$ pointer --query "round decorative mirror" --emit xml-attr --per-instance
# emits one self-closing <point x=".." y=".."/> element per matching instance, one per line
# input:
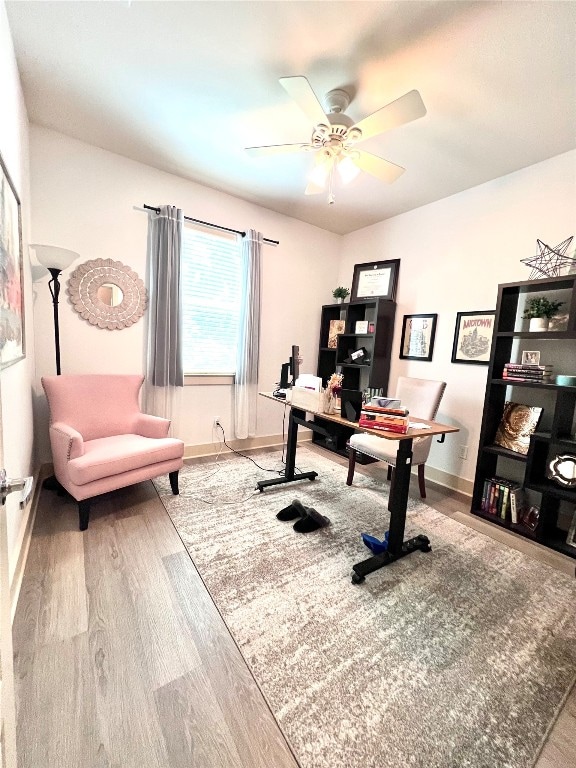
<point x="107" y="294"/>
<point x="562" y="469"/>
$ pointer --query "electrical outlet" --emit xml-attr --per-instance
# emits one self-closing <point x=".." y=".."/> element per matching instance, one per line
<point x="216" y="422"/>
<point x="463" y="454"/>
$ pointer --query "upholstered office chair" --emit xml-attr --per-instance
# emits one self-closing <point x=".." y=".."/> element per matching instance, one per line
<point x="100" y="439"/>
<point x="422" y="398"/>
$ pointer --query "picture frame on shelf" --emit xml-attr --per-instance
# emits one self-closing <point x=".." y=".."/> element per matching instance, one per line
<point x="375" y="280"/>
<point x="418" y="333"/>
<point x="361" y="326"/>
<point x="13" y="346"/>
<point x="530" y="357"/>
<point x="473" y="337"/>
<point x="335" y="329"/>
<point x="571" y="537"/>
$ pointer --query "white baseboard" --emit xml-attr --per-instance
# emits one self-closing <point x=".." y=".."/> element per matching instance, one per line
<point x="453" y="482"/>
<point x="26" y="536"/>
<point x="212" y="449"/>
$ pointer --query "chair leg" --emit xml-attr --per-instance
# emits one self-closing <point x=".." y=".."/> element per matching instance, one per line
<point x="421" y="480"/>
<point x="390" y="468"/>
<point x="174" y="482"/>
<point x="84" y="513"/>
<point x="351" y="465"/>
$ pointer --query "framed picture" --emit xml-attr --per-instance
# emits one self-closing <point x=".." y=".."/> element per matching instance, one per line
<point x="530" y="358"/>
<point x="418" y="333"/>
<point x="335" y="329"/>
<point x="473" y="337"/>
<point x="11" y="281"/>
<point x="571" y="538"/>
<point x="377" y="279"/>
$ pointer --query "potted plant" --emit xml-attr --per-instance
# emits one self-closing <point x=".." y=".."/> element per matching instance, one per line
<point x="340" y="294"/>
<point x="539" y="310"/>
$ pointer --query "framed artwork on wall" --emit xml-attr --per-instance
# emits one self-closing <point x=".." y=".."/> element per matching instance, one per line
<point x="375" y="280"/>
<point x="12" y="341"/>
<point x="418" y="332"/>
<point x="473" y="337"/>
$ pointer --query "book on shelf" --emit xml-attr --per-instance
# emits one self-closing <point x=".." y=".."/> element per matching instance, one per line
<point x="528" y="366"/>
<point x="500" y="497"/>
<point x="519" y="376"/>
<point x="517" y="370"/>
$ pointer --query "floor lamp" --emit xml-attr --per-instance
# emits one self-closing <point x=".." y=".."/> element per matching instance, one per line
<point x="55" y="260"/>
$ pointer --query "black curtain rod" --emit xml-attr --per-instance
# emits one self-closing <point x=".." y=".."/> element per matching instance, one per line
<point x="215" y="226"/>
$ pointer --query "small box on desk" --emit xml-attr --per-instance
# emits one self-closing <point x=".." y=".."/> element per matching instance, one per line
<point x="306" y="399"/>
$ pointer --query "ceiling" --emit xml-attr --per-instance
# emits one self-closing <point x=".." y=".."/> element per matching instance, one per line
<point x="186" y="86"/>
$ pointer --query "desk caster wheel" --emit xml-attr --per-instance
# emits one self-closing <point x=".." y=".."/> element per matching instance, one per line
<point x="356" y="579"/>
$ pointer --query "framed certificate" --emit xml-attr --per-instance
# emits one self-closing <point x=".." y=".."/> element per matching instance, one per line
<point x="377" y="279"/>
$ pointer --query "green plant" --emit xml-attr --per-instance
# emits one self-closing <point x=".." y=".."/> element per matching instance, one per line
<point x="540" y="306"/>
<point x="340" y="292"/>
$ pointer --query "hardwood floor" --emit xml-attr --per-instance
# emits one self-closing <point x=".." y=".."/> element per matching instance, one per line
<point x="123" y="661"/>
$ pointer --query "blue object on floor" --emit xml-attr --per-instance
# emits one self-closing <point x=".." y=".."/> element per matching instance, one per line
<point x="374" y="544"/>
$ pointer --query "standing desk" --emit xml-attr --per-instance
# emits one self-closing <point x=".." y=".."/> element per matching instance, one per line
<point x="398" y="500"/>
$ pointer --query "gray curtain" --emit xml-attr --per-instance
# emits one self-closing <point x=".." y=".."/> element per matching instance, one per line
<point x="164" y="374"/>
<point x="246" y="381"/>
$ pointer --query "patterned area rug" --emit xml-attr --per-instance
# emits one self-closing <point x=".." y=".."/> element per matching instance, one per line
<point x="460" y="657"/>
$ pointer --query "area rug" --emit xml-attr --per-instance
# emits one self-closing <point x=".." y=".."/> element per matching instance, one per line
<point x="460" y="657"/>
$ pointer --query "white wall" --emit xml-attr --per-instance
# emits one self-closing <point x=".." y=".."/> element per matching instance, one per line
<point x="84" y="199"/>
<point x="16" y="380"/>
<point x="454" y="253"/>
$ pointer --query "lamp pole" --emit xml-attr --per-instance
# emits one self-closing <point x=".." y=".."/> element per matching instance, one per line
<point x="55" y="259"/>
<point x="54" y="286"/>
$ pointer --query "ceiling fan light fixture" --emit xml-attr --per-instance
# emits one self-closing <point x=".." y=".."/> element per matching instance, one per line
<point x="347" y="169"/>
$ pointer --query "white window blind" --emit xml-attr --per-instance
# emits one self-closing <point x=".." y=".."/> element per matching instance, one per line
<point x="211" y="300"/>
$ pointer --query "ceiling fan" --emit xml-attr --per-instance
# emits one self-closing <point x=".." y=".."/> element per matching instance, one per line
<point x="335" y="135"/>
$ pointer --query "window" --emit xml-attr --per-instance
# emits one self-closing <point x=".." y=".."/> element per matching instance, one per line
<point x="210" y="300"/>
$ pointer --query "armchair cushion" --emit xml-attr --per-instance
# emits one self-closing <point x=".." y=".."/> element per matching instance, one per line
<point x="108" y="456"/>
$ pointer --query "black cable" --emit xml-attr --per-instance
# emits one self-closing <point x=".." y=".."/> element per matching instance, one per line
<point x="264" y="469"/>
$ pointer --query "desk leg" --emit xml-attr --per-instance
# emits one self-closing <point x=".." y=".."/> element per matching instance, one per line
<point x="289" y="473"/>
<point x="398" y="503"/>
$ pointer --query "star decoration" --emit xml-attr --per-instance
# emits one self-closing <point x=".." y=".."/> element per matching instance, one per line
<point x="550" y="261"/>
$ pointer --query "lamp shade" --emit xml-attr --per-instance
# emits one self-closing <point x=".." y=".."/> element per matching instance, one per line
<point x="53" y="257"/>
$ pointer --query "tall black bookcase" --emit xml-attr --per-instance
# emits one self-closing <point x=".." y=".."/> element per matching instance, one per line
<point x="370" y="369"/>
<point x="555" y="434"/>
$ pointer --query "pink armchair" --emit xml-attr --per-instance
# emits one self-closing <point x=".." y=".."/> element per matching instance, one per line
<point x="100" y="439"/>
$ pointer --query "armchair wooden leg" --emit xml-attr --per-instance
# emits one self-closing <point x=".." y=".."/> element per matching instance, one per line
<point x="421" y="480"/>
<point x="174" y="482"/>
<point x="84" y="513"/>
<point x="351" y="465"/>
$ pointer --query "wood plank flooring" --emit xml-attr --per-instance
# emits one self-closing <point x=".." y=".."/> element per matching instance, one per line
<point x="123" y="661"/>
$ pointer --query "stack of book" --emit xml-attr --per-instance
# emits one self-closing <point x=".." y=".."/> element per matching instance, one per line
<point x="385" y="419"/>
<point x="535" y="373"/>
<point x="502" y="498"/>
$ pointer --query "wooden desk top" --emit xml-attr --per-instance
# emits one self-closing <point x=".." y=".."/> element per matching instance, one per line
<point x="434" y="427"/>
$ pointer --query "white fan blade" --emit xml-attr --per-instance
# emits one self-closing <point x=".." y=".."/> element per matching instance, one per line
<point x="377" y="166"/>
<point x="405" y="109"/>
<point x="275" y="149"/>
<point x="301" y="91"/>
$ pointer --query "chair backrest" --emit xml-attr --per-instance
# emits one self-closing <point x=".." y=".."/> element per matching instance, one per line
<point x="96" y="405"/>
<point x="421" y="396"/>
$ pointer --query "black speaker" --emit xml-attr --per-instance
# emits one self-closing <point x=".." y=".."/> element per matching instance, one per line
<point x="350" y="404"/>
